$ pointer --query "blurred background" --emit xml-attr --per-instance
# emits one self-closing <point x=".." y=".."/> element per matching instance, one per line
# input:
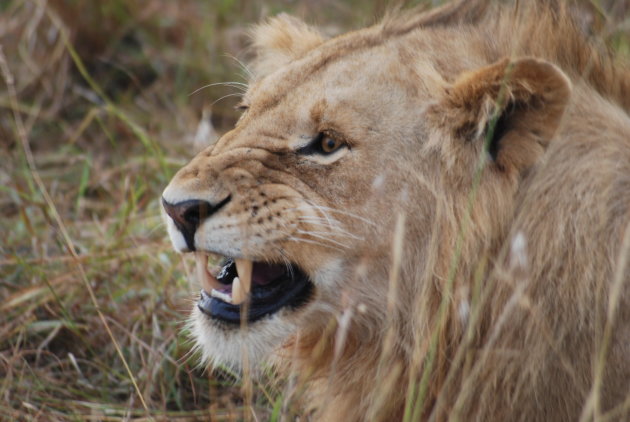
<point x="100" y="103"/>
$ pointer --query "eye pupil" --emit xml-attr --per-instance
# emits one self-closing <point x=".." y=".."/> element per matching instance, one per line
<point x="329" y="144"/>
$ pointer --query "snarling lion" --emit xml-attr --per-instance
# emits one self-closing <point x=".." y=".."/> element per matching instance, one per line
<point x="426" y="219"/>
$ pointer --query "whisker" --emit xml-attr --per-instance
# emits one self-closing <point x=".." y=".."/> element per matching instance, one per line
<point x="323" y="212"/>
<point x="287" y="263"/>
<point x="324" y="238"/>
<point x="186" y="356"/>
<point x="334" y="231"/>
<point x="322" y="225"/>
<point x="243" y="66"/>
<point x="320" y="220"/>
<point x="238" y="85"/>
<point x="226" y="96"/>
<point x="310" y="207"/>
<point x="325" y="221"/>
<point x="349" y="214"/>
<point x="313" y="242"/>
<point x="323" y="208"/>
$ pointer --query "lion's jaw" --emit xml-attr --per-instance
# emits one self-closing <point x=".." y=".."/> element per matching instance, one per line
<point x="256" y="342"/>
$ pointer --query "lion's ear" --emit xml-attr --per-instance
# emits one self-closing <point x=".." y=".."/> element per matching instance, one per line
<point x="280" y="40"/>
<point x="510" y="108"/>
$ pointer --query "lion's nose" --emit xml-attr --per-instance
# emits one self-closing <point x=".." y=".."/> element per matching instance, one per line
<point x="188" y="215"/>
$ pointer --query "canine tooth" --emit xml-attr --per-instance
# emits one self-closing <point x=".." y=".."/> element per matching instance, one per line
<point x="244" y="269"/>
<point x="239" y="294"/>
<point x="208" y="281"/>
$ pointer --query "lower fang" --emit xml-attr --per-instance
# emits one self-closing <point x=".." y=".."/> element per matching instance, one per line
<point x="220" y="295"/>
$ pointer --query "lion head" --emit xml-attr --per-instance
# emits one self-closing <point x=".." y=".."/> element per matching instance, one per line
<point x="372" y="183"/>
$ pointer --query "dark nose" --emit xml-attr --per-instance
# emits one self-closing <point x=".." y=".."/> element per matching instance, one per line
<point x="188" y="215"/>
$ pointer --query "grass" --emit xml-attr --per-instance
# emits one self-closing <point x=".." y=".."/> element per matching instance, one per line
<point x="96" y="114"/>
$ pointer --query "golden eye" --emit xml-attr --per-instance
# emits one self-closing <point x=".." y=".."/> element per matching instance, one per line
<point x="322" y="144"/>
<point x="329" y="144"/>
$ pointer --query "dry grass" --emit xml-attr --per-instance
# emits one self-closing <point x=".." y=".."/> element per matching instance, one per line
<point x="95" y="116"/>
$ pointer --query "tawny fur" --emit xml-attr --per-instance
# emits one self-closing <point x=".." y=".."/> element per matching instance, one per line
<point x="513" y="285"/>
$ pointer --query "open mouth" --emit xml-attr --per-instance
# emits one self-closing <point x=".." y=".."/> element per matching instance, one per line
<point x="266" y="288"/>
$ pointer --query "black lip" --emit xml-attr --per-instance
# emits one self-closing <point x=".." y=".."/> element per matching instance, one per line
<point x="292" y="290"/>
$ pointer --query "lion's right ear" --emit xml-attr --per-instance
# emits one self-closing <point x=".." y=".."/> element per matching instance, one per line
<point x="280" y="40"/>
<point x="509" y="109"/>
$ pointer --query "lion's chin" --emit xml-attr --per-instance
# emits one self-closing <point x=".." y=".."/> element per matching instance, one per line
<point x="222" y="346"/>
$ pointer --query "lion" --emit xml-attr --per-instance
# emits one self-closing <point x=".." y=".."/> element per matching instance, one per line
<point x="425" y="219"/>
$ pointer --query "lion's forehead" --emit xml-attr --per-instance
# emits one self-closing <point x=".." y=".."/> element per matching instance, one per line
<point x="358" y="80"/>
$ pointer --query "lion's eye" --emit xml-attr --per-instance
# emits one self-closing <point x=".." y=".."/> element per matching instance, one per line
<point x="322" y="144"/>
<point x="330" y="145"/>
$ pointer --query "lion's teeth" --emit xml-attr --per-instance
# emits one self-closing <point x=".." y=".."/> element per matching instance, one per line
<point x="239" y="294"/>
<point x="220" y="295"/>
<point x="241" y="285"/>
<point x="208" y="281"/>
<point x="244" y="269"/>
